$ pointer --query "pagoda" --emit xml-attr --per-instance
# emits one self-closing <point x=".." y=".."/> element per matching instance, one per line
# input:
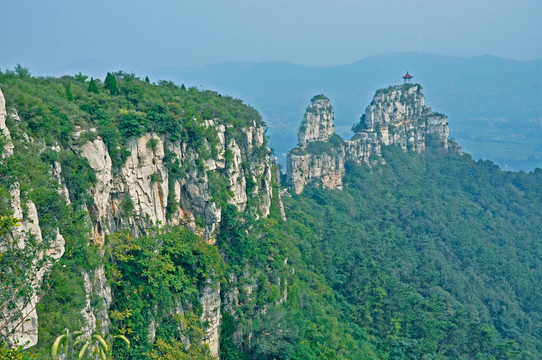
<point x="407" y="78"/>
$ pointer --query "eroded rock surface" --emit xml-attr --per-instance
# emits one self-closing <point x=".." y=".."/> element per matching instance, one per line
<point x="396" y="116"/>
<point x="317" y="124"/>
<point x="320" y="153"/>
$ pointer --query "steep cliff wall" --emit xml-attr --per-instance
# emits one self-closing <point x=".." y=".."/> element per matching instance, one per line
<point x="320" y="153"/>
<point x="396" y="116"/>
<point x="20" y="323"/>
<point x="161" y="180"/>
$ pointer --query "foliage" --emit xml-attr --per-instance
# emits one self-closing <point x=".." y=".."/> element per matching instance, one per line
<point x="319" y="97"/>
<point x="419" y="252"/>
<point x="330" y="146"/>
<point x="15" y="352"/>
<point x="110" y="83"/>
<point x="92" y="87"/>
<point x="94" y="344"/>
<point x="150" y="274"/>
<point x="176" y="350"/>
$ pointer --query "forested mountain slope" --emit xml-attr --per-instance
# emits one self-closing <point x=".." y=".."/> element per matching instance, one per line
<point x="155" y="212"/>
<point x="433" y="254"/>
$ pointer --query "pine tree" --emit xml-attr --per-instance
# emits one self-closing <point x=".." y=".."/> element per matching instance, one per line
<point x="183" y="87"/>
<point x="107" y="81"/>
<point x="69" y="94"/>
<point x="110" y="83"/>
<point x="81" y="77"/>
<point x="92" y="87"/>
<point x="147" y="79"/>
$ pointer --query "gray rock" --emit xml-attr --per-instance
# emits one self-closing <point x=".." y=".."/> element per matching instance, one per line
<point x="396" y="116"/>
<point x="317" y="124"/>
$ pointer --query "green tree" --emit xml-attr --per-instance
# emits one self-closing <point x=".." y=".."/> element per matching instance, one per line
<point x="92" y="87"/>
<point x="110" y="83"/>
<point x="80" y="77"/>
<point x="147" y="79"/>
<point x="22" y="71"/>
<point x="69" y="94"/>
<point x="96" y="344"/>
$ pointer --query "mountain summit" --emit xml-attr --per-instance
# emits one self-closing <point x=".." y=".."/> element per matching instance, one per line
<point x="396" y="116"/>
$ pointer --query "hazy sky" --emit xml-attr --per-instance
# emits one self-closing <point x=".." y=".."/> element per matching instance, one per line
<point x="48" y="34"/>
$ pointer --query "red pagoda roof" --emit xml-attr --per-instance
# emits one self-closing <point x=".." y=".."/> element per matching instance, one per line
<point x="408" y="76"/>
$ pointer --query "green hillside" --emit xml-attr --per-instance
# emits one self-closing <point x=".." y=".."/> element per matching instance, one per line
<point x="434" y="256"/>
<point x="421" y="256"/>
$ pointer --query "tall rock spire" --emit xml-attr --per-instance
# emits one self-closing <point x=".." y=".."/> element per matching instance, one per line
<point x="317" y="124"/>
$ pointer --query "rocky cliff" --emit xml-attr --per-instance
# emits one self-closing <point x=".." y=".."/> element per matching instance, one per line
<point x="320" y="153"/>
<point x="20" y="323"/>
<point x="399" y="116"/>
<point x="396" y="116"/>
<point x="161" y="181"/>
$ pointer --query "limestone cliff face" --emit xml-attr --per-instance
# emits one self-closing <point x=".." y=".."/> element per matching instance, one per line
<point x="143" y="193"/>
<point x="304" y="168"/>
<point x="317" y="124"/>
<point x="21" y="323"/>
<point x="396" y="116"/>
<point x="362" y="146"/>
<point x="320" y="154"/>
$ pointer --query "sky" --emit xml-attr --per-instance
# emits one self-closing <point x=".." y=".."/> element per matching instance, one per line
<point x="49" y="34"/>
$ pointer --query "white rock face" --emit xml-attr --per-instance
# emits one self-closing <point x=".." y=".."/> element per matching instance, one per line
<point x="303" y="164"/>
<point x="397" y="115"/>
<point x="210" y="300"/>
<point x="317" y="124"/>
<point x="96" y="319"/>
<point x="395" y="105"/>
<point x="362" y="146"/>
<point x="145" y="179"/>
<point x="8" y="146"/>
<point x="400" y="116"/>
<point x="25" y="319"/>
<point x="327" y="168"/>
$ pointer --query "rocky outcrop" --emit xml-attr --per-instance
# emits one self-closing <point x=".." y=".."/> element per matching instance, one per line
<point x="320" y="153"/>
<point x="210" y="300"/>
<point x="362" y="147"/>
<point x="305" y="168"/>
<point x="161" y="182"/>
<point x="317" y="124"/>
<point x="7" y="145"/>
<point x="143" y="194"/>
<point x="95" y="315"/>
<point x="396" y="116"/>
<point x="21" y="323"/>
<point x="138" y="196"/>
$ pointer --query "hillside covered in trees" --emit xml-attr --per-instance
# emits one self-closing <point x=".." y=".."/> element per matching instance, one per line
<point x="426" y="255"/>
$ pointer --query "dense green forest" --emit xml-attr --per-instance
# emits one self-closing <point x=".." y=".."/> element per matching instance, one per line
<point x="432" y="255"/>
<point x="421" y="256"/>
